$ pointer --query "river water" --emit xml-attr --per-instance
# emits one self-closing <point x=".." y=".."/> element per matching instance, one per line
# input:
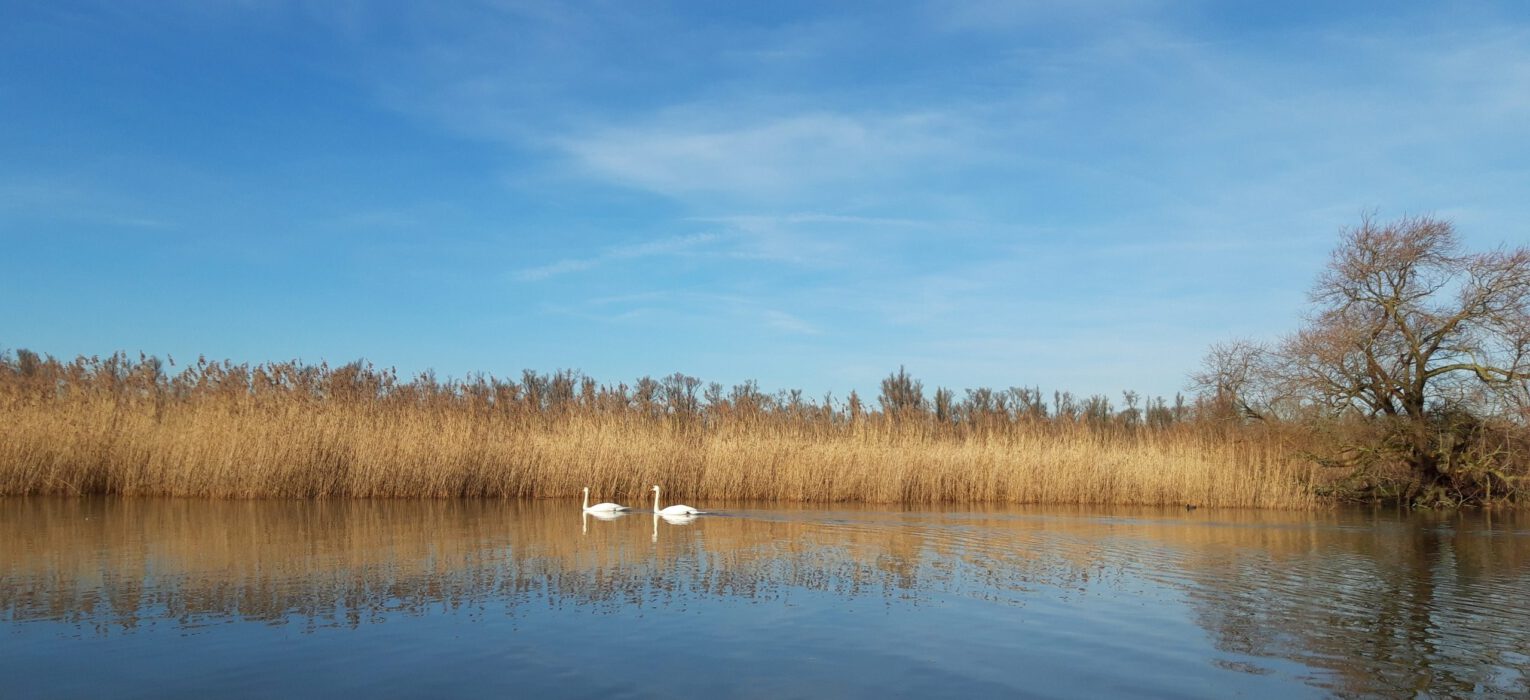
<point x="182" y="598"/>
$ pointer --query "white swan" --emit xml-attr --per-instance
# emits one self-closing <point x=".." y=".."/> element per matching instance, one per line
<point x="672" y="510"/>
<point x="600" y="507"/>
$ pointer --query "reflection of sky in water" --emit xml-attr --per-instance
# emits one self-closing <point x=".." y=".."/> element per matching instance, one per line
<point x="152" y="597"/>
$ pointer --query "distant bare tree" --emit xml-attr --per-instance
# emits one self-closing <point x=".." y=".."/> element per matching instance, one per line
<point x="747" y="399"/>
<point x="902" y="395"/>
<point x="679" y="393"/>
<point x="1097" y="409"/>
<point x="945" y="401"/>
<point x="1236" y="377"/>
<point x="1130" y="416"/>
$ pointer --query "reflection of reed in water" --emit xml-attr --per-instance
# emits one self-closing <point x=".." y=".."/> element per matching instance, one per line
<point x="105" y="564"/>
<point x="1382" y="607"/>
<point x="108" y="563"/>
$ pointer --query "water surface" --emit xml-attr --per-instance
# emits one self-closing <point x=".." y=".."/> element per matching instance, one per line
<point x="164" y="598"/>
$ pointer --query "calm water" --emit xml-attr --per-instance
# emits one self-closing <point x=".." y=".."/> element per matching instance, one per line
<point x="183" y="598"/>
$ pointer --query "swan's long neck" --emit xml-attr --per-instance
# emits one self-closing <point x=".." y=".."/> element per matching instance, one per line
<point x="586" y="498"/>
<point x="656" y="500"/>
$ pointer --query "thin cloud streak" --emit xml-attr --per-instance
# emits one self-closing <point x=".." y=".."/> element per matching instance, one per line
<point x="787" y="323"/>
<point x="675" y="245"/>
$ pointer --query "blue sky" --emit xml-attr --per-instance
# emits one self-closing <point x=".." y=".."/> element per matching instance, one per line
<point x="1074" y="195"/>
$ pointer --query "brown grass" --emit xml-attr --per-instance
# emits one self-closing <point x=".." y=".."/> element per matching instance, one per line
<point x="222" y="431"/>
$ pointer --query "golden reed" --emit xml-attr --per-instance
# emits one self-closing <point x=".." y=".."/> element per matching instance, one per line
<point x="117" y="426"/>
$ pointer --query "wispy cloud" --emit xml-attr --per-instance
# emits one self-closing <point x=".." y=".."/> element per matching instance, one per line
<point x="373" y="219"/>
<point x="682" y="155"/>
<point x="1006" y="192"/>
<point x="785" y="322"/>
<point x="674" y="245"/>
<point x="990" y="16"/>
<point x="68" y="202"/>
<point x="763" y="220"/>
<point x="757" y="311"/>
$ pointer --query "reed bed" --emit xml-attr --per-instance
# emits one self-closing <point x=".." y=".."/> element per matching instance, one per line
<point x="214" y="430"/>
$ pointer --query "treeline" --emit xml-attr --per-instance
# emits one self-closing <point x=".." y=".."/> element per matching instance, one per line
<point x="679" y="398"/>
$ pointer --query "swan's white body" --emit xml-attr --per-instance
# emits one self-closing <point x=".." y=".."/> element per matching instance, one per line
<point x="672" y="511"/>
<point x="600" y="507"/>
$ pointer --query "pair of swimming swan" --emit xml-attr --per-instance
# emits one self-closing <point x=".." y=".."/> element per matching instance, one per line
<point x="616" y="508"/>
<point x="584" y="520"/>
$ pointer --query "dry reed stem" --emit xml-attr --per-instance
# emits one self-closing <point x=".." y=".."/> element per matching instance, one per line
<point x="230" y="447"/>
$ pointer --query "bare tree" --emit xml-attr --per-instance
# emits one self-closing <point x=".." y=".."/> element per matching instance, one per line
<point x="1402" y="317"/>
<point x="1235" y="376"/>
<point x="1406" y="328"/>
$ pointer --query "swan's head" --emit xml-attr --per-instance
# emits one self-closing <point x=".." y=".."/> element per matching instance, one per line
<point x="586" y="489"/>
<point x="655" y="488"/>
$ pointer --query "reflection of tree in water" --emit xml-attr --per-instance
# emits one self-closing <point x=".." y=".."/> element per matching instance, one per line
<point x="1433" y="605"/>
<point x="1381" y="607"/>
